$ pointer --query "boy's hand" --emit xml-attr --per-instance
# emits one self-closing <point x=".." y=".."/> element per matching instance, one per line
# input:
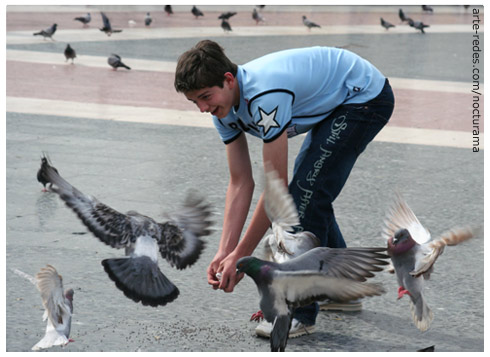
<point x="229" y="278"/>
<point x="213" y="270"/>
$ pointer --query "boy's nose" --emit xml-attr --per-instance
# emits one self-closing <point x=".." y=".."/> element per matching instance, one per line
<point x="203" y="107"/>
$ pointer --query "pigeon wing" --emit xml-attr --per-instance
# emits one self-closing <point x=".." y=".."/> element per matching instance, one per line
<point x="105" y="19"/>
<point x="49" y="283"/>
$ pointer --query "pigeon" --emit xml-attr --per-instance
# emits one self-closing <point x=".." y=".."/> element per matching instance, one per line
<point x="427" y="8"/>
<point x="70" y="53"/>
<point x="257" y="17"/>
<point x="168" y="10"/>
<point x="58" y="307"/>
<point x="49" y="32"/>
<point x="320" y="273"/>
<point x="413" y="254"/>
<point x="225" y="25"/>
<point x="309" y="23"/>
<point x="386" y="24"/>
<point x="41" y="177"/>
<point x="419" y="25"/>
<point x="148" y="19"/>
<point x="196" y="12"/>
<point x="402" y="16"/>
<point x="178" y="240"/>
<point x="226" y="15"/>
<point x="84" y="19"/>
<point x="107" y="28"/>
<point x="115" y="62"/>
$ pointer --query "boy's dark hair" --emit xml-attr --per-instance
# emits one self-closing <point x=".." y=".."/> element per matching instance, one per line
<point x="202" y="66"/>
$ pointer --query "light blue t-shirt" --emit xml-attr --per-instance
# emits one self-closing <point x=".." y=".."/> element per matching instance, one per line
<point x="295" y="89"/>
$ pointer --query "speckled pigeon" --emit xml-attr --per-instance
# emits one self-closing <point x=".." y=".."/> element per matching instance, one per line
<point x="107" y="28"/>
<point x="177" y="240"/>
<point x="58" y="305"/>
<point x="413" y="254"/>
<point x="320" y="273"/>
<point x="49" y="32"/>
<point x="115" y="62"/>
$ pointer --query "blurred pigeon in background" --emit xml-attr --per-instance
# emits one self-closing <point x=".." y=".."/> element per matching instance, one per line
<point x="318" y="274"/>
<point x="148" y="19"/>
<point x="196" y="12"/>
<point x="49" y="32"/>
<point x="427" y="8"/>
<point x="226" y="15"/>
<point x="58" y="305"/>
<point x="107" y="28"/>
<point x="309" y="23"/>
<point x="402" y="16"/>
<point x="115" y="62"/>
<point x="177" y="240"/>
<point x="419" y="25"/>
<point x="386" y="24"/>
<point x="41" y="176"/>
<point x="413" y="254"/>
<point x="168" y="10"/>
<point x="84" y="19"/>
<point x="70" y="53"/>
<point x="225" y="25"/>
<point x="257" y="17"/>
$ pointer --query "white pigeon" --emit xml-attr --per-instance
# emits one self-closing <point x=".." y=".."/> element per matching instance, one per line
<point x="58" y="307"/>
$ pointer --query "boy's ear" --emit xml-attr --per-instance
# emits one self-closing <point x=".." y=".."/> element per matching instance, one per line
<point x="229" y="78"/>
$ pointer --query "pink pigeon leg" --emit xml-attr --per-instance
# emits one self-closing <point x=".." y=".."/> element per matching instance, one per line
<point x="402" y="291"/>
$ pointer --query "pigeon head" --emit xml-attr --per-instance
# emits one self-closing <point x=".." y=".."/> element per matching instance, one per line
<point x="401" y="242"/>
<point x="250" y="265"/>
<point x="69" y="294"/>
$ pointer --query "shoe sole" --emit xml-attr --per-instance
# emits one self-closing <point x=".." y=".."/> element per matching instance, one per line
<point x="307" y="330"/>
<point x="341" y="307"/>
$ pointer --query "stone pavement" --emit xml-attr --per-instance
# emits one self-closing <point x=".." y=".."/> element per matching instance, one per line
<point x="126" y="138"/>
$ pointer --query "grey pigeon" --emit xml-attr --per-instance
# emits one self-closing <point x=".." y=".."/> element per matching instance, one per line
<point x="413" y="254"/>
<point x="148" y="19"/>
<point x="309" y="23"/>
<point x="49" y="32"/>
<point x="402" y="15"/>
<point x="427" y="8"/>
<point x="58" y="305"/>
<point x="196" y="12"/>
<point x="115" y="62"/>
<point x="178" y="240"/>
<point x="226" y="15"/>
<point x="70" y="53"/>
<point x="107" y="28"/>
<point x="386" y="24"/>
<point x="41" y="176"/>
<point x="84" y="19"/>
<point x="225" y="25"/>
<point x="257" y="17"/>
<point x="321" y="273"/>
<point x="419" y="25"/>
<point x="168" y="10"/>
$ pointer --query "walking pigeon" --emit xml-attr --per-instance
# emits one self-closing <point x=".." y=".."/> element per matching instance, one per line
<point x="225" y="25"/>
<point x="257" y="17"/>
<point x="70" y="53"/>
<point x="321" y="273"/>
<point x="168" y="10"/>
<point x="84" y="19"/>
<point x="58" y="307"/>
<point x="309" y="23"/>
<point x="419" y="25"/>
<point x="413" y="254"/>
<point x="226" y="15"/>
<point x="148" y="19"/>
<point x="196" y="12"/>
<point x="41" y="176"/>
<point x="386" y="24"/>
<point x="115" y="62"/>
<point x="427" y="8"/>
<point x="107" y="28"/>
<point x="49" y="32"/>
<point x="178" y="240"/>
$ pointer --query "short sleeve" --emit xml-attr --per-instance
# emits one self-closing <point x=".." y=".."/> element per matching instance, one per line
<point x="226" y="133"/>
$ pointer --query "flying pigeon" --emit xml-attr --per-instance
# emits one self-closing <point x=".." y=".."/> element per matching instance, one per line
<point x="419" y="25"/>
<point x="225" y="25"/>
<point x="386" y="24"/>
<point x="84" y="19"/>
<point x="309" y="23"/>
<point x="427" y="8"/>
<point x="196" y="12"/>
<point x="58" y="307"/>
<point x="49" y="32"/>
<point x="41" y="176"/>
<point x="107" y="28"/>
<point x="148" y="19"/>
<point x="168" y="10"/>
<point x="226" y="15"/>
<point x="115" y="62"/>
<point x="178" y="240"/>
<point x="257" y="17"/>
<point x="413" y="254"/>
<point x="70" y="53"/>
<point x="334" y="273"/>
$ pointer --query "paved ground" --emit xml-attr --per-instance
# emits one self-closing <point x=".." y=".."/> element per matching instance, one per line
<point x="128" y="139"/>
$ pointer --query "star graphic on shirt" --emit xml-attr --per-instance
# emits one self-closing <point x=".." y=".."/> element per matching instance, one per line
<point x="268" y="120"/>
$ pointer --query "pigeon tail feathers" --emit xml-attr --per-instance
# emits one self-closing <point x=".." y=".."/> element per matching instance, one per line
<point x="421" y="313"/>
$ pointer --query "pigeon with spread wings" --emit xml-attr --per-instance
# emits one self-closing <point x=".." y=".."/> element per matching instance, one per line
<point x="177" y="240"/>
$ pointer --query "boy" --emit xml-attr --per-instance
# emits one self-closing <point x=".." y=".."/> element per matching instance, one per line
<point x="339" y="99"/>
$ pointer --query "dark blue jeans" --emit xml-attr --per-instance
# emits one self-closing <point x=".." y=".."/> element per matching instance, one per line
<point x="324" y="163"/>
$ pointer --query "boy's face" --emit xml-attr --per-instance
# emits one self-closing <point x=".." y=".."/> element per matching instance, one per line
<point x="215" y="100"/>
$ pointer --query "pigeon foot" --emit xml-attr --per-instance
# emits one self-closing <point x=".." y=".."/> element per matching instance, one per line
<point x="402" y="291"/>
<point x="259" y="315"/>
